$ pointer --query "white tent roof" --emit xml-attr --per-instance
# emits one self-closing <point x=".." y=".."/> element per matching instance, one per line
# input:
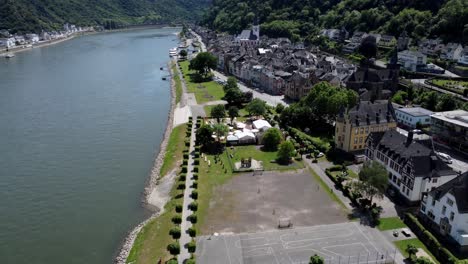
<point x="242" y="135"/>
<point x="232" y="138"/>
<point x="259" y="124"/>
<point x="240" y="125"/>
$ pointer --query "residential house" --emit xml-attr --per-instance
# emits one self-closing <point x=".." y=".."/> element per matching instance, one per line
<point x="7" y="42"/>
<point x="351" y="47"/>
<point x="412" y="60"/>
<point x="357" y="37"/>
<point x="338" y="35"/>
<point x="403" y="41"/>
<point x="249" y="37"/>
<point x="451" y="51"/>
<point x="445" y="209"/>
<point x="377" y="38"/>
<point x="412" y="117"/>
<point x="431" y="47"/>
<point x="353" y="126"/>
<point x="464" y="57"/>
<point x="387" y="41"/>
<point x="413" y="169"/>
<point x="451" y="128"/>
<point x="299" y="85"/>
<point x="32" y="38"/>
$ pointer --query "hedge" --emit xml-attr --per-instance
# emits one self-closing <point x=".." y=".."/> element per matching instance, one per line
<point x="195" y="169"/>
<point x="182" y="177"/>
<point x="434" y="246"/>
<point x="195" y="185"/>
<point x="195" y="176"/>
<point x="185" y="162"/>
<point x="196" y="162"/>
<point x="186" y="156"/>
<point x="184" y="169"/>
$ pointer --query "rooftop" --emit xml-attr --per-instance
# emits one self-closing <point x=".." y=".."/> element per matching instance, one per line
<point x="415" y="111"/>
<point x="458" y="187"/>
<point x="457" y="117"/>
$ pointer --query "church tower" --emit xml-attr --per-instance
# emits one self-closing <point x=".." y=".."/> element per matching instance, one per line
<point x="256" y="29"/>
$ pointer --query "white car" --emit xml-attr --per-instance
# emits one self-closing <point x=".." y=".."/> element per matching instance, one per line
<point x="444" y="157"/>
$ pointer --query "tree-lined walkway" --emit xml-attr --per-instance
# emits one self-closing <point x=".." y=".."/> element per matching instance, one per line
<point x="186" y="212"/>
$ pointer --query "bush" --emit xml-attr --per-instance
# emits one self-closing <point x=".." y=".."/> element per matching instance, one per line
<point x="184" y="169"/>
<point x="195" y="184"/>
<point x="181" y="186"/>
<point x="195" y="176"/>
<point x="195" y="169"/>
<point x="192" y="218"/>
<point x="193" y="206"/>
<point x="190" y="261"/>
<point x="271" y="139"/>
<point x="194" y="195"/>
<point x="185" y="162"/>
<point x="191" y="247"/>
<point x="173" y="248"/>
<point x="178" y="208"/>
<point x="192" y="232"/>
<point x="197" y="155"/>
<point x="175" y="233"/>
<point x="177" y="219"/>
<point x="186" y="156"/>
<point x="172" y="261"/>
<point x="183" y="177"/>
<point x="179" y="195"/>
<point x="196" y="162"/>
<point x="187" y="143"/>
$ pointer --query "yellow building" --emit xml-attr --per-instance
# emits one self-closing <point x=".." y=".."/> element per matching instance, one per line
<point x="354" y="125"/>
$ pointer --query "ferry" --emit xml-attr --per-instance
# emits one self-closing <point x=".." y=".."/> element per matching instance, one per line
<point x="173" y="52"/>
<point x="9" y="55"/>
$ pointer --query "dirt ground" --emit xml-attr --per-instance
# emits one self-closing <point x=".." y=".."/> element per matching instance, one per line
<point x="254" y="203"/>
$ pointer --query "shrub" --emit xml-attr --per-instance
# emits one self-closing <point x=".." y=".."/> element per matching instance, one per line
<point x="181" y="186"/>
<point x="172" y="261"/>
<point x="197" y="155"/>
<point x="195" y="184"/>
<point x="194" y="194"/>
<point x="179" y="195"/>
<point x="173" y="248"/>
<point x="184" y="169"/>
<point x="176" y="219"/>
<point x="191" y="247"/>
<point x="190" y="261"/>
<point x="192" y="218"/>
<point x="186" y="156"/>
<point x="185" y="162"/>
<point x="195" y="169"/>
<point x="196" y="162"/>
<point x="175" y="233"/>
<point x="193" y="206"/>
<point x="178" y="208"/>
<point x="183" y="177"/>
<point x="195" y="176"/>
<point x="187" y="142"/>
<point x="272" y="139"/>
<point x="192" y="232"/>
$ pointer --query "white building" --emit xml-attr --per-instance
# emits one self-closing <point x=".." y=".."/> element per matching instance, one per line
<point x="32" y="38"/>
<point x="464" y="57"/>
<point x="413" y="169"/>
<point x="7" y="42"/>
<point x="451" y="51"/>
<point x="411" y="116"/>
<point x="411" y="60"/>
<point x="446" y="210"/>
<point x="261" y="125"/>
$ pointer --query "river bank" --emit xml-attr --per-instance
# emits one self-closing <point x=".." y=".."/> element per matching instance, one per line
<point x="153" y="182"/>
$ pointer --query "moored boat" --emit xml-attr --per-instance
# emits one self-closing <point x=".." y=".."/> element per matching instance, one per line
<point x="9" y="55"/>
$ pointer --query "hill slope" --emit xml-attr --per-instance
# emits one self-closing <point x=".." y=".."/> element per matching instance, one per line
<point x="301" y="18"/>
<point x="34" y="15"/>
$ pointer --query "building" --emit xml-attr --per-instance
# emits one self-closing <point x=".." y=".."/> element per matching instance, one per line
<point x="451" y="128"/>
<point x="387" y="41"/>
<point x="403" y="41"/>
<point x="413" y="168"/>
<point x="412" y="60"/>
<point x="412" y="116"/>
<point x="431" y="47"/>
<point x="445" y="209"/>
<point x="353" y="127"/>
<point x="7" y="42"/>
<point x="451" y="51"/>
<point x="249" y="37"/>
<point x="464" y="57"/>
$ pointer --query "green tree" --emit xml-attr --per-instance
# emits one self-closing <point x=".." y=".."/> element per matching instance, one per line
<point x="203" y="63"/>
<point x="204" y="135"/>
<point x="446" y="102"/>
<point x="233" y="112"/>
<point x="424" y="260"/>
<point x="234" y="96"/>
<point x="373" y="180"/>
<point x="271" y="139"/>
<point x="256" y="107"/>
<point x="285" y="152"/>
<point x="279" y="108"/>
<point x="183" y="53"/>
<point x="411" y="250"/>
<point x="231" y="83"/>
<point x="191" y="247"/>
<point x="220" y="130"/>
<point x="218" y="112"/>
<point x="400" y="97"/>
<point x="175" y="233"/>
<point x="316" y="259"/>
<point x="174" y="249"/>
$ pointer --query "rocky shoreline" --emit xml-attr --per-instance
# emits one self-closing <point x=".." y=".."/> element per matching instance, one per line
<point x="152" y="180"/>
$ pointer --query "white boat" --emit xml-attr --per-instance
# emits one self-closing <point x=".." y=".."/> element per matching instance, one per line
<point x="9" y="55"/>
<point x="173" y="52"/>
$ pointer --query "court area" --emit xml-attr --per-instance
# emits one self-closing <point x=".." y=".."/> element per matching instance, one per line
<point x="337" y="243"/>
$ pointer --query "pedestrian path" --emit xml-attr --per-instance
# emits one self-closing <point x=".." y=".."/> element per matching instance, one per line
<point x="185" y="225"/>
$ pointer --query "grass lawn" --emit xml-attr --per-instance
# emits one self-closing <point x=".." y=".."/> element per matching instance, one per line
<point x="390" y="223"/>
<point x="402" y="244"/>
<point x="264" y="156"/>
<point x="178" y="82"/>
<point x="324" y="186"/>
<point x="456" y="86"/>
<point x="150" y="244"/>
<point x="209" y="178"/>
<point x="351" y="174"/>
<point x="204" y="91"/>
<point x="174" y="149"/>
<point x="243" y="114"/>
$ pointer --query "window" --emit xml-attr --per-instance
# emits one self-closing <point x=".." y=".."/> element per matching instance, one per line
<point x="356" y="131"/>
<point x="423" y="208"/>
<point x="404" y="189"/>
<point x="367" y="130"/>
<point x="339" y="138"/>
<point x="354" y="147"/>
<point x="407" y="192"/>
<point x="449" y="201"/>
<point x="434" y="180"/>
<point x="444" y="209"/>
<point x="360" y="140"/>
<point x="355" y="140"/>
<point x="337" y="129"/>
<point x="452" y="216"/>
<point x="433" y="202"/>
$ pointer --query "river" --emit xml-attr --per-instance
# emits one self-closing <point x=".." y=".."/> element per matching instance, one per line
<point x="80" y="123"/>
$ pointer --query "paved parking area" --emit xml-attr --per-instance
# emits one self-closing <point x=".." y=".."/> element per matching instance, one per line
<point x="338" y="243"/>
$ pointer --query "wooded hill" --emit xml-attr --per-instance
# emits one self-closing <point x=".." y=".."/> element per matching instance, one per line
<point x="35" y="15"/>
<point x="302" y="19"/>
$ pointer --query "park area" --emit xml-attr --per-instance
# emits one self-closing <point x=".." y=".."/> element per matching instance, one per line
<point x="451" y="85"/>
<point x="204" y="91"/>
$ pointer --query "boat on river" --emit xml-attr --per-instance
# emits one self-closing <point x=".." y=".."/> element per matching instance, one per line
<point x="9" y="55"/>
<point x="173" y="52"/>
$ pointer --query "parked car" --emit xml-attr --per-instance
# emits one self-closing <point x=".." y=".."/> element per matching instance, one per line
<point x="406" y="232"/>
<point x="395" y="233"/>
<point x="320" y="155"/>
<point x="444" y="157"/>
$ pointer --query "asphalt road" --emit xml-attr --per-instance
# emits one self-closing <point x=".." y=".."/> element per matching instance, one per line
<point x="339" y="243"/>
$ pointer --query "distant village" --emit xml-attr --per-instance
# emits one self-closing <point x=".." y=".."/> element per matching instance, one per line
<point x="12" y="41"/>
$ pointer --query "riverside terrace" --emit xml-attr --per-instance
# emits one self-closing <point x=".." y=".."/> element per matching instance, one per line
<point x="339" y="243"/>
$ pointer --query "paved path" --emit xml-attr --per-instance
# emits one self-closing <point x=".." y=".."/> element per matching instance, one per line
<point x="185" y="238"/>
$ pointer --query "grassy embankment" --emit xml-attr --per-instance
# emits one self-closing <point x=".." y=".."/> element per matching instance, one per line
<point x="204" y="91"/>
<point x="178" y="82"/>
<point x="150" y="244"/>
<point x="390" y="223"/>
<point x="402" y="244"/>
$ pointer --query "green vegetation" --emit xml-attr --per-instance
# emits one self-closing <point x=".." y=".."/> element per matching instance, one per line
<point x="316" y="259"/>
<point x="390" y="223"/>
<point x="403" y="244"/>
<point x="451" y="85"/>
<point x="271" y="139"/>
<point x="299" y="19"/>
<point x="204" y="91"/>
<point x="268" y="158"/>
<point x="174" y="149"/>
<point x="285" y="152"/>
<point x="178" y="83"/>
<point x="203" y="63"/>
<point x="34" y="16"/>
<point x="431" y="100"/>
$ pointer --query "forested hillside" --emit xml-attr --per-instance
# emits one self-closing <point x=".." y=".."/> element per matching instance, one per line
<point x="35" y="15"/>
<point x="304" y="18"/>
